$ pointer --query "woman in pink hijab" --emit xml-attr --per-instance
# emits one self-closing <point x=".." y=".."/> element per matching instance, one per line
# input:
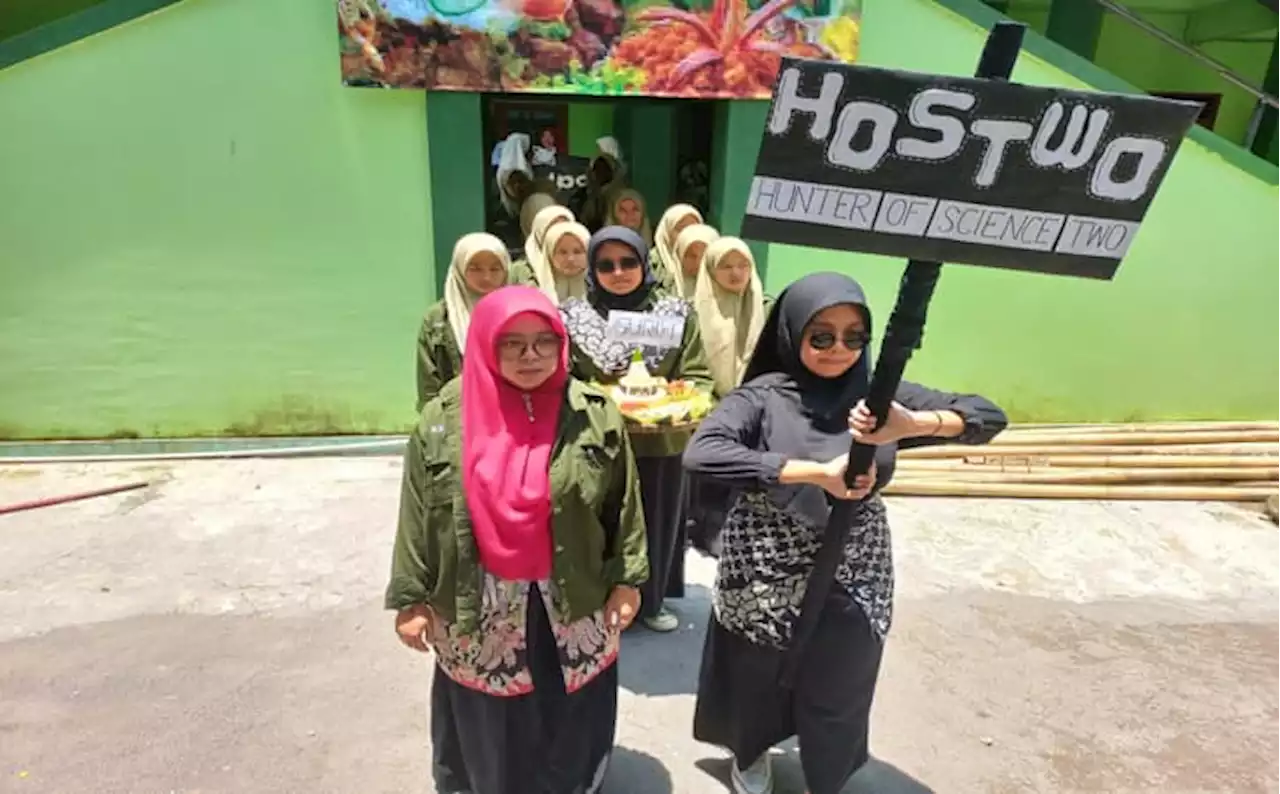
<point x="519" y="551"/>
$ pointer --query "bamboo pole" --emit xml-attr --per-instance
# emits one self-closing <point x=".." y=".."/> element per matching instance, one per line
<point x="1096" y="492"/>
<point x="1145" y="438"/>
<point x="1059" y="448"/>
<point x="1098" y="476"/>
<point x="1024" y="463"/>
<point x="1142" y="427"/>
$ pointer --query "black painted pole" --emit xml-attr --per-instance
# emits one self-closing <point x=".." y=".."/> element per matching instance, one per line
<point x="902" y="337"/>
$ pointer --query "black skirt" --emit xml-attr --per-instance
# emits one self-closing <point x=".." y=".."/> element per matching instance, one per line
<point x="662" y="492"/>
<point x="545" y="742"/>
<point x="742" y="708"/>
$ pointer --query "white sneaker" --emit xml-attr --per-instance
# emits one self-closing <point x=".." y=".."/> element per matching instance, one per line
<point x="755" y="779"/>
<point x="664" y="621"/>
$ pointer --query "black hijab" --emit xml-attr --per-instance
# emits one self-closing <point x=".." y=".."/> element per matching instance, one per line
<point x="601" y="299"/>
<point x="818" y="426"/>
<point x="826" y="401"/>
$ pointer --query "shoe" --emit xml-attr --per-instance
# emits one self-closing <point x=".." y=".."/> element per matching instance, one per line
<point x="664" y="621"/>
<point x="755" y="779"/>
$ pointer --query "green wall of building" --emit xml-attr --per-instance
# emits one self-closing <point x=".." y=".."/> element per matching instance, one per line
<point x="205" y="233"/>
<point x="1187" y="330"/>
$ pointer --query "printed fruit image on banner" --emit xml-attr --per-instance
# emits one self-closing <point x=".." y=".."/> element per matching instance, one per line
<point x="671" y="48"/>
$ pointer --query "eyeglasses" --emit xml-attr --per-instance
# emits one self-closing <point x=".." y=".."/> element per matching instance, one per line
<point x="512" y="348"/>
<point x="610" y="265"/>
<point x="852" y="340"/>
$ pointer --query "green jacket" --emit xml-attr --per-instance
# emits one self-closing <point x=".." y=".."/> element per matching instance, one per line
<point x="439" y="359"/>
<point x="521" y="272"/>
<point x="664" y="274"/>
<point x="687" y="362"/>
<point x="597" y="523"/>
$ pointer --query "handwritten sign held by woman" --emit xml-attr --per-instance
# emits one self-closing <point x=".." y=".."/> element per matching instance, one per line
<point x="646" y="330"/>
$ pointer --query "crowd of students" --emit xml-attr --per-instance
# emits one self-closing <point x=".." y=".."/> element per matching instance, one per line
<point x="534" y="528"/>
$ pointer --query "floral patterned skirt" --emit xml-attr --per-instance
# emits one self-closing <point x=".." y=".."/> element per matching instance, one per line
<point x="548" y="741"/>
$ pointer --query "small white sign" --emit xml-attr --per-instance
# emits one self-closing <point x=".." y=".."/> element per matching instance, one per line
<point x="646" y="330"/>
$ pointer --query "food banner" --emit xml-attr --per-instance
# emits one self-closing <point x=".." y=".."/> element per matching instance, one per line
<point x="703" y="49"/>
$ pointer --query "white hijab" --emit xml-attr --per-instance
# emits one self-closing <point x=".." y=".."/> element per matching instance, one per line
<point x="459" y="300"/>
<point x="542" y="221"/>
<point x="664" y="239"/>
<point x="557" y="286"/>
<point x="730" y="324"/>
<point x="697" y="233"/>
<point x="513" y="160"/>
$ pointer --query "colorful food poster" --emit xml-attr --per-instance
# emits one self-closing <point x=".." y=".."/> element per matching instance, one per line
<point x="702" y="49"/>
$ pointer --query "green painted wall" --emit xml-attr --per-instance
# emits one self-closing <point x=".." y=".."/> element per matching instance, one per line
<point x="1148" y="63"/>
<point x="202" y="238"/>
<point x="588" y="122"/>
<point x="204" y="232"/>
<point x="1188" y="329"/>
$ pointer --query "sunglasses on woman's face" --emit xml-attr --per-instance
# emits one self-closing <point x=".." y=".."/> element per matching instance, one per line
<point x="852" y="340"/>
<point x="610" y="265"/>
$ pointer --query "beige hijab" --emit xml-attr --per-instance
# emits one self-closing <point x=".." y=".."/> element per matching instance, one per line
<point x="664" y="239"/>
<point x="697" y="233"/>
<point x="538" y="226"/>
<point x="730" y="324"/>
<point x="645" y="231"/>
<point x="553" y="283"/>
<point x="530" y="208"/>
<point x="459" y="300"/>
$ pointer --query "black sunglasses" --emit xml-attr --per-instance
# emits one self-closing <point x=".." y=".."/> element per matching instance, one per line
<point x="609" y="265"/>
<point x="852" y="340"/>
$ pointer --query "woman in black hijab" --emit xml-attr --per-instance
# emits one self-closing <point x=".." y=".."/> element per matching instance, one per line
<point x="781" y="441"/>
<point x="618" y="278"/>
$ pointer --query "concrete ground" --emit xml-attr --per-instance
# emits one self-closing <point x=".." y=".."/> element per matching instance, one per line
<point x="221" y="631"/>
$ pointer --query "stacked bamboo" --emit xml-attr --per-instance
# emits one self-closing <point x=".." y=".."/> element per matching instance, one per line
<point x="1193" y="461"/>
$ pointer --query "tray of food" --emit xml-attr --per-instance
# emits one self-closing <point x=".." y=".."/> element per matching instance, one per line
<point x="656" y="405"/>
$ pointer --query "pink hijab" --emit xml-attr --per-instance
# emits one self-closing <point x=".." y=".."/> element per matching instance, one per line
<point x="506" y="457"/>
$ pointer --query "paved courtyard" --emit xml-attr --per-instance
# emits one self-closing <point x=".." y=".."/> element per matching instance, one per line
<point x="221" y="631"/>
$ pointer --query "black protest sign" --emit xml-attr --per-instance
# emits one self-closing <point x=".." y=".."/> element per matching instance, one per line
<point x="959" y="169"/>
<point x="567" y="174"/>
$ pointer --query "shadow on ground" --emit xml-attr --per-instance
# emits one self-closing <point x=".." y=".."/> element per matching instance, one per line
<point x="877" y="777"/>
<point x="657" y="664"/>
<point x="634" y="772"/>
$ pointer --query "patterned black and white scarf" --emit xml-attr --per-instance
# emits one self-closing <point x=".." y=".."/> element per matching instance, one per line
<point x="590" y="332"/>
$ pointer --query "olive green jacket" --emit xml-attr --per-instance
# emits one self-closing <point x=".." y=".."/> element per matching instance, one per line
<point x="597" y="522"/>
<point x="439" y="359"/>
<point x="664" y="274"/>
<point x="687" y="362"/>
<point x="521" y="272"/>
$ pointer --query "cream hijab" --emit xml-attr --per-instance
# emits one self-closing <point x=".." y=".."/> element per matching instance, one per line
<point x="730" y="324"/>
<point x="664" y="239"/>
<point x="459" y="300"/>
<point x="685" y="286"/>
<point x="557" y="286"/>
<point x="531" y="207"/>
<point x="645" y="231"/>
<point x="537" y="231"/>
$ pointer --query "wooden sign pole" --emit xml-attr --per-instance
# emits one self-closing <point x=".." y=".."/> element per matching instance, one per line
<point x="902" y="337"/>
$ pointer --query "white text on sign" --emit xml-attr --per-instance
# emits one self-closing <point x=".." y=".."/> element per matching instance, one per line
<point x="1124" y="171"/>
<point x="941" y="219"/>
<point x="642" y="329"/>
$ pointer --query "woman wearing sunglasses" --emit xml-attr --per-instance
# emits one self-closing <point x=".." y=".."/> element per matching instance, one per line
<point x="619" y="279"/>
<point x="517" y="558"/>
<point x="781" y="441"/>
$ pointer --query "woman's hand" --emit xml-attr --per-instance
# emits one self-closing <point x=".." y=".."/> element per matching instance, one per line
<point x="831" y="479"/>
<point x="414" y="625"/>
<point x="900" y="424"/>
<point x="622" y="607"/>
